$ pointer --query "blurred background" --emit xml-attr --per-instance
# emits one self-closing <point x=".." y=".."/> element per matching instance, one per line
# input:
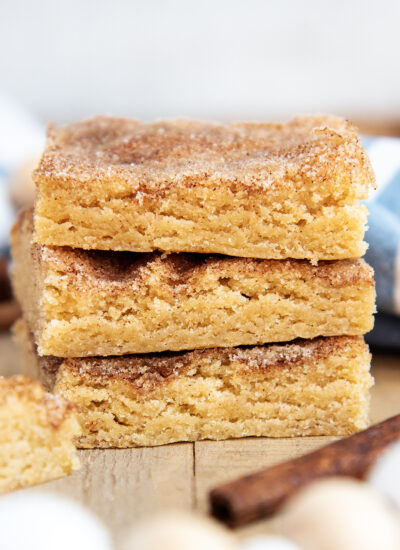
<point x="215" y="59"/>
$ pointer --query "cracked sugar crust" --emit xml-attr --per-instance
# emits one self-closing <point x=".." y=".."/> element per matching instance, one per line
<point x="23" y="389"/>
<point x="153" y="157"/>
<point x="145" y="372"/>
<point x="90" y="303"/>
<point x="97" y="268"/>
<point x="270" y="191"/>
<point x="163" y="366"/>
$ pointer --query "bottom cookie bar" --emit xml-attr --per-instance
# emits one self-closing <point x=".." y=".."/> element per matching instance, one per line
<point x="36" y="434"/>
<point x="308" y="387"/>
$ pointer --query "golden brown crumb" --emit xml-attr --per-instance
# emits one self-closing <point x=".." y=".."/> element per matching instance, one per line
<point x="318" y="387"/>
<point x="36" y="434"/>
<point x="82" y="303"/>
<point x="252" y="190"/>
<point x="178" y="270"/>
<point x="163" y="154"/>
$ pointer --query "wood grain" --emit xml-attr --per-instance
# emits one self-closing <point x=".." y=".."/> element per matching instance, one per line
<point x="126" y="484"/>
<point x="262" y="493"/>
<point x="122" y="485"/>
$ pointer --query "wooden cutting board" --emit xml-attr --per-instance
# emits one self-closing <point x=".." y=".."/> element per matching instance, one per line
<point x="123" y="485"/>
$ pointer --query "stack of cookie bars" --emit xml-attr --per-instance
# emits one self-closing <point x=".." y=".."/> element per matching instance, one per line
<point x="186" y="280"/>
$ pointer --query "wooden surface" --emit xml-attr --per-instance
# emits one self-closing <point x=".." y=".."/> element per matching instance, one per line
<point x="123" y="485"/>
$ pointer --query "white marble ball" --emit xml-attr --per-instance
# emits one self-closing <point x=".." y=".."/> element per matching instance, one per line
<point x="33" y="520"/>
<point x="341" y="513"/>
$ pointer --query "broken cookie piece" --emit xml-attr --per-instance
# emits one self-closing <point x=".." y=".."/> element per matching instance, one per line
<point x="37" y="430"/>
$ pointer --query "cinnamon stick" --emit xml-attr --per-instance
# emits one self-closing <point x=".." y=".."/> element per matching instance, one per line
<point x="9" y="313"/>
<point x="5" y="283"/>
<point x="258" y="495"/>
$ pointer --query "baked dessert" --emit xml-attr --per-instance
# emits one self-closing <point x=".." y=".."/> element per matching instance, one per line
<point x="269" y="191"/>
<point x="309" y="387"/>
<point x="82" y="303"/>
<point x="36" y="434"/>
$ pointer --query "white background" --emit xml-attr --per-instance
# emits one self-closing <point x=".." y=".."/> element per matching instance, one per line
<point x="222" y="59"/>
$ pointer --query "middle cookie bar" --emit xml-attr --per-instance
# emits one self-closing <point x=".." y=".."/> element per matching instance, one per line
<point x="85" y="303"/>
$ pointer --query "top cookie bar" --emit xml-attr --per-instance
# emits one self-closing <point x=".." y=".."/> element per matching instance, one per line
<point x="269" y="191"/>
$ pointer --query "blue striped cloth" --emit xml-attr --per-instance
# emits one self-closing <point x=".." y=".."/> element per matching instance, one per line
<point x="383" y="237"/>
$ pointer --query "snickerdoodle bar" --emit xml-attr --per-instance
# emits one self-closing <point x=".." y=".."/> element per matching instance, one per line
<point x="308" y="387"/>
<point x="85" y="302"/>
<point x="270" y="191"/>
<point x="37" y="430"/>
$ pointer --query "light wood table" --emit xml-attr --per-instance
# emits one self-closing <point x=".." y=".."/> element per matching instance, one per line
<point x="123" y="485"/>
